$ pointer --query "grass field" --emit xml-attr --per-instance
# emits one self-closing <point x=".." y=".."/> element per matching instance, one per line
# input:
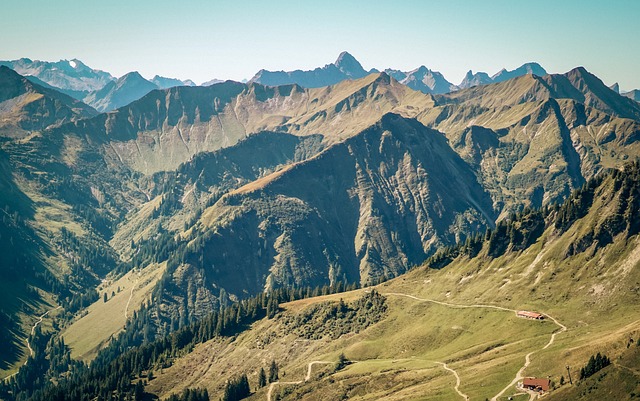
<point x="89" y="333"/>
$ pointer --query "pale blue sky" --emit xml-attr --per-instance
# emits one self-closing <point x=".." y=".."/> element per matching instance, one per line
<point x="205" y="39"/>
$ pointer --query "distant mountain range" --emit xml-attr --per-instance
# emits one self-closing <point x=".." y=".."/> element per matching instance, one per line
<point x="345" y="67"/>
<point x="68" y="75"/>
<point x="421" y="79"/>
<point x="103" y="92"/>
<point x="94" y="87"/>
<point x="482" y="78"/>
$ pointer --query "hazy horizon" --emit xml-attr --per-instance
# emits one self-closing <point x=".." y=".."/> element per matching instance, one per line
<point x="203" y="40"/>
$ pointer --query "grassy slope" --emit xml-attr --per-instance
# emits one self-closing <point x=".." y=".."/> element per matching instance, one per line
<point x="102" y="320"/>
<point x="594" y="294"/>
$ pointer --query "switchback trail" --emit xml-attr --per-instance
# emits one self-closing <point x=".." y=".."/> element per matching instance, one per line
<point x="306" y="378"/>
<point x="33" y="331"/>
<point x="527" y="359"/>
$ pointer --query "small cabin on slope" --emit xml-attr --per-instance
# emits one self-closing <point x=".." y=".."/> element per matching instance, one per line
<point x="530" y="315"/>
<point x="532" y="383"/>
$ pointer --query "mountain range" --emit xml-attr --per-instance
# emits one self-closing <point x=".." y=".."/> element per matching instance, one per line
<point x="482" y="78"/>
<point x="176" y="202"/>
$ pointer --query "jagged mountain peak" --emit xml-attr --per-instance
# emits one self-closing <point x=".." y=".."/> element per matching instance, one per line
<point x="345" y="67"/>
<point x="164" y="82"/>
<point x="615" y="87"/>
<point x="426" y="81"/>
<point x="348" y="64"/>
<point x="633" y="95"/>
<point x="471" y="79"/>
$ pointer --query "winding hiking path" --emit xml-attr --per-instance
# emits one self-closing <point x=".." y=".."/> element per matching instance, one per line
<point x="457" y="387"/>
<point x="306" y="378"/>
<point x="527" y="358"/>
<point x="33" y="331"/>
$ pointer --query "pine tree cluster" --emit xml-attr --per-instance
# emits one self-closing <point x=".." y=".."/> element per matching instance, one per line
<point x="595" y="364"/>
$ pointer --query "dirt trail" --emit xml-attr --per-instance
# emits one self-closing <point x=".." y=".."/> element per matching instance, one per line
<point x="133" y="287"/>
<point x="527" y="359"/>
<point x="449" y="304"/>
<point x="33" y="331"/>
<point x="306" y="378"/>
<point x="457" y="387"/>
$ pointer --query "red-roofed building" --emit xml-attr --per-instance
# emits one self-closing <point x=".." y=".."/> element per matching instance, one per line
<point x="532" y="383"/>
<point x="530" y="315"/>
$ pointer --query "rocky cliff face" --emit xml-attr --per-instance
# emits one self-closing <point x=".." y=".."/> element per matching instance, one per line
<point x="372" y="206"/>
<point x="532" y="140"/>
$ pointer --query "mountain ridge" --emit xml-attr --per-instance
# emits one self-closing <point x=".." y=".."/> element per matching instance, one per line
<point x="26" y="106"/>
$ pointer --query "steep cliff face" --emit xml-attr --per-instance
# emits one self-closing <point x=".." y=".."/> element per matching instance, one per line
<point x="371" y="206"/>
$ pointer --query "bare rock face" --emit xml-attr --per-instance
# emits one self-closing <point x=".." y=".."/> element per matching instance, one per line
<point x="372" y="206"/>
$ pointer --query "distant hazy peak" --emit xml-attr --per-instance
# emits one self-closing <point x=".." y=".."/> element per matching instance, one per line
<point x="615" y="87"/>
<point x="165" y="83"/>
<point x="131" y="75"/>
<point x="527" y="68"/>
<point x="471" y="79"/>
<point x="633" y="94"/>
<point x="349" y="65"/>
<point x="216" y="81"/>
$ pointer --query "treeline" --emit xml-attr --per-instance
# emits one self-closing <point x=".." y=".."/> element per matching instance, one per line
<point x="51" y="359"/>
<point x="595" y="364"/>
<point x="578" y="204"/>
<point x="517" y="232"/>
<point x="520" y="230"/>
<point x="88" y="253"/>
<point x="625" y="199"/>
<point x="133" y="354"/>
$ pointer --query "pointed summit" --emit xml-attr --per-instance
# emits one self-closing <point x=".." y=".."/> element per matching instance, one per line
<point x="350" y="66"/>
<point x="633" y="95"/>
<point x="616" y="88"/>
<point x="115" y="94"/>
